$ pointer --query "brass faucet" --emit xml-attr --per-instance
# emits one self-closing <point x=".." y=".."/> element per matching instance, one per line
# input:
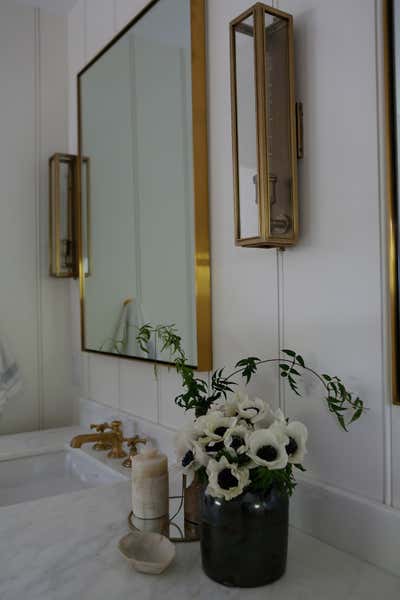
<point x="115" y="437"/>
<point x="132" y="443"/>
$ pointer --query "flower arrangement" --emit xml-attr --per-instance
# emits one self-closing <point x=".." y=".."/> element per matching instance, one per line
<point x="237" y="443"/>
<point x="242" y="444"/>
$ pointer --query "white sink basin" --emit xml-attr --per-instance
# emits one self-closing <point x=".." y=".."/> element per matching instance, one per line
<point x="51" y="474"/>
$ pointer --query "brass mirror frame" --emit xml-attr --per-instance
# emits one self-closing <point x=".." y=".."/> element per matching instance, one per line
<point x="392" y="191"/>
<point x="200" y="171"/>
<point x="264" y="239"/>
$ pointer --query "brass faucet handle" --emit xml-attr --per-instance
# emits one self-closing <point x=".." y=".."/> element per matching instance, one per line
<point x="132" y="443"/>
<point x="100" y="428"/>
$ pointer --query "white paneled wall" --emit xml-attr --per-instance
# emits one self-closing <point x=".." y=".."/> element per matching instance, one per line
<point x="325" y="297"/>
<point x="34" y="309"/>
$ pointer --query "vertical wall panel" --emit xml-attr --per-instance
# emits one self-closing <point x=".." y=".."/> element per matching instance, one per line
<point x="55" y="308"/>
<point x="244" y="281"/>
<point x="126" y="10"/>
<point x="332" y="294"/>
<point x="34" y="310"/>
<point x="18" y="301"/>
<point x="100" y="25"/>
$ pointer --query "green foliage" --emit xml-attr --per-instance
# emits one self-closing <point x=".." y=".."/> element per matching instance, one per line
<point x="262" y="479"/>
<point x="202" y="476"/>
<point x="248" y="367"/>
<point x="199" y="395"/>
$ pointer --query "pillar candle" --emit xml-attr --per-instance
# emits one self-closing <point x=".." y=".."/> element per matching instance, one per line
<point x="150" y="488"/>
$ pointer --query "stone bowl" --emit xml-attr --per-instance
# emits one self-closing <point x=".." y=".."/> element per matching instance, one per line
<point x="149" y="553"/>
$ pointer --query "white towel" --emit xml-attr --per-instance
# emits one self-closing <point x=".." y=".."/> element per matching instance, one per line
<point x="10" y="374"/>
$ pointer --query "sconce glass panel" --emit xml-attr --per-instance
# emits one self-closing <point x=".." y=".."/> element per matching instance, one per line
<point x="247" y="129"/>
<point x="264" y="128"/>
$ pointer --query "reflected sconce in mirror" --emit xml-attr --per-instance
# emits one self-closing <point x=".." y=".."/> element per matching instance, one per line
<point x="63" y="253"/>
<point x="266" y="139"/>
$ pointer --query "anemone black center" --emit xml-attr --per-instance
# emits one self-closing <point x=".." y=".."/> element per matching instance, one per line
<point x="221" y="431"/>
<point x="226" y="480"/>
<point x="267" y="453"/>
<point x="236" y="442"/>
<point x="292" y="446"/>
<point x="187" y="459"/>
<point x="215" y="447"/>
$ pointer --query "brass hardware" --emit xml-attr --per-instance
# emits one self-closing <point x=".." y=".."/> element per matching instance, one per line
<point x="100" y="446"/>
<point x="392" y="186"/>
<point x="299" y="130"/>
<point x="277" y="140"/>
<point x="132" y="443"/>
<point x="114" y="437"/>
<point x="200" y="183"/>
<point x="117" y="450"/>
<point x="63" y="243"/>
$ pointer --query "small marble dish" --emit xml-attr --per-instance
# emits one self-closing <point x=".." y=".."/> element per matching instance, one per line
<point x="150" y="553"/>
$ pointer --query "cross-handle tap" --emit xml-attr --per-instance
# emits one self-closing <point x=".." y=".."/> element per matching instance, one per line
<point x="132" y="443"/>
<point x="117" y="450"/>
<point x="115" y="437"/>
<point x="101" y="428"/>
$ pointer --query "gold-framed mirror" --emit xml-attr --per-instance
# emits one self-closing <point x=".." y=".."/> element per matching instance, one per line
<point x="142" y="121"/>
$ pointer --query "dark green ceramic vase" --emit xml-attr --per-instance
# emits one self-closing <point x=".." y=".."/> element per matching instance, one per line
<point x="244" y="541"/>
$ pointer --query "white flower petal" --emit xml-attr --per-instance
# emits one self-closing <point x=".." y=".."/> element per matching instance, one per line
<point x="209" y="424"/>
<point x="267" y="449"/>
<point x="297" y="433"/>
<point x="240" y="431"/>
<point x="239" y="474"/>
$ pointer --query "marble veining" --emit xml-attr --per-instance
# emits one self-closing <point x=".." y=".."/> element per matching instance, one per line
<point x="66" y="547"/>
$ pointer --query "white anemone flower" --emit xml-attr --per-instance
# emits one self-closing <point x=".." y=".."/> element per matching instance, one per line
<point x="296" y="447"/>
<point x="190" y="455"/>
<point x="256" y="410"/>
<point x="267" y="448"/>
<point x="268" y="417"/>
<point x="236" y="438"/>
<point x="226" y="480"/>
<point x="210" y="446"/>
<point x="214" y="425"/>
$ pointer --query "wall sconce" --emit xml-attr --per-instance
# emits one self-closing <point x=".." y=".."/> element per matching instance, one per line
<point x="63" y="248"/>
<point x="266" y="141"/>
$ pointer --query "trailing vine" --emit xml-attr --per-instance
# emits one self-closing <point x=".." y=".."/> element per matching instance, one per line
<point x="199" y="395"/>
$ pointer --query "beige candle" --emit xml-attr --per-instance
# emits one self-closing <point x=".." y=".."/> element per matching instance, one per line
<point x="150" y="489"/>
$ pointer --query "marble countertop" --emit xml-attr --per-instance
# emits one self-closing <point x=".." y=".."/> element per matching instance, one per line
<point x="65" y="548"/>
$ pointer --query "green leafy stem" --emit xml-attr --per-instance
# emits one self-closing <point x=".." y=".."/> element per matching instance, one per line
<point x="199" y="395"/>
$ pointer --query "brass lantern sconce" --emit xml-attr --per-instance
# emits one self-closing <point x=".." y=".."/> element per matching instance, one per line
<point x="267" y="141"/>
<point x="63" y="247"/>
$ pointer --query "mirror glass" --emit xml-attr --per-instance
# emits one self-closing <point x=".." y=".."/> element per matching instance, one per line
<point x="246" y="128"/>
<point x="137" y="131"/>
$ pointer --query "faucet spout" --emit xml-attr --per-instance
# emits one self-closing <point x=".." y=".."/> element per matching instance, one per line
<point x="86" y="438"/>
<point x="114" y="438"/>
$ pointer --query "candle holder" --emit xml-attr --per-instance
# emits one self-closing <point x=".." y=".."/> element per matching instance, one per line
<point x="179" y="526"/>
